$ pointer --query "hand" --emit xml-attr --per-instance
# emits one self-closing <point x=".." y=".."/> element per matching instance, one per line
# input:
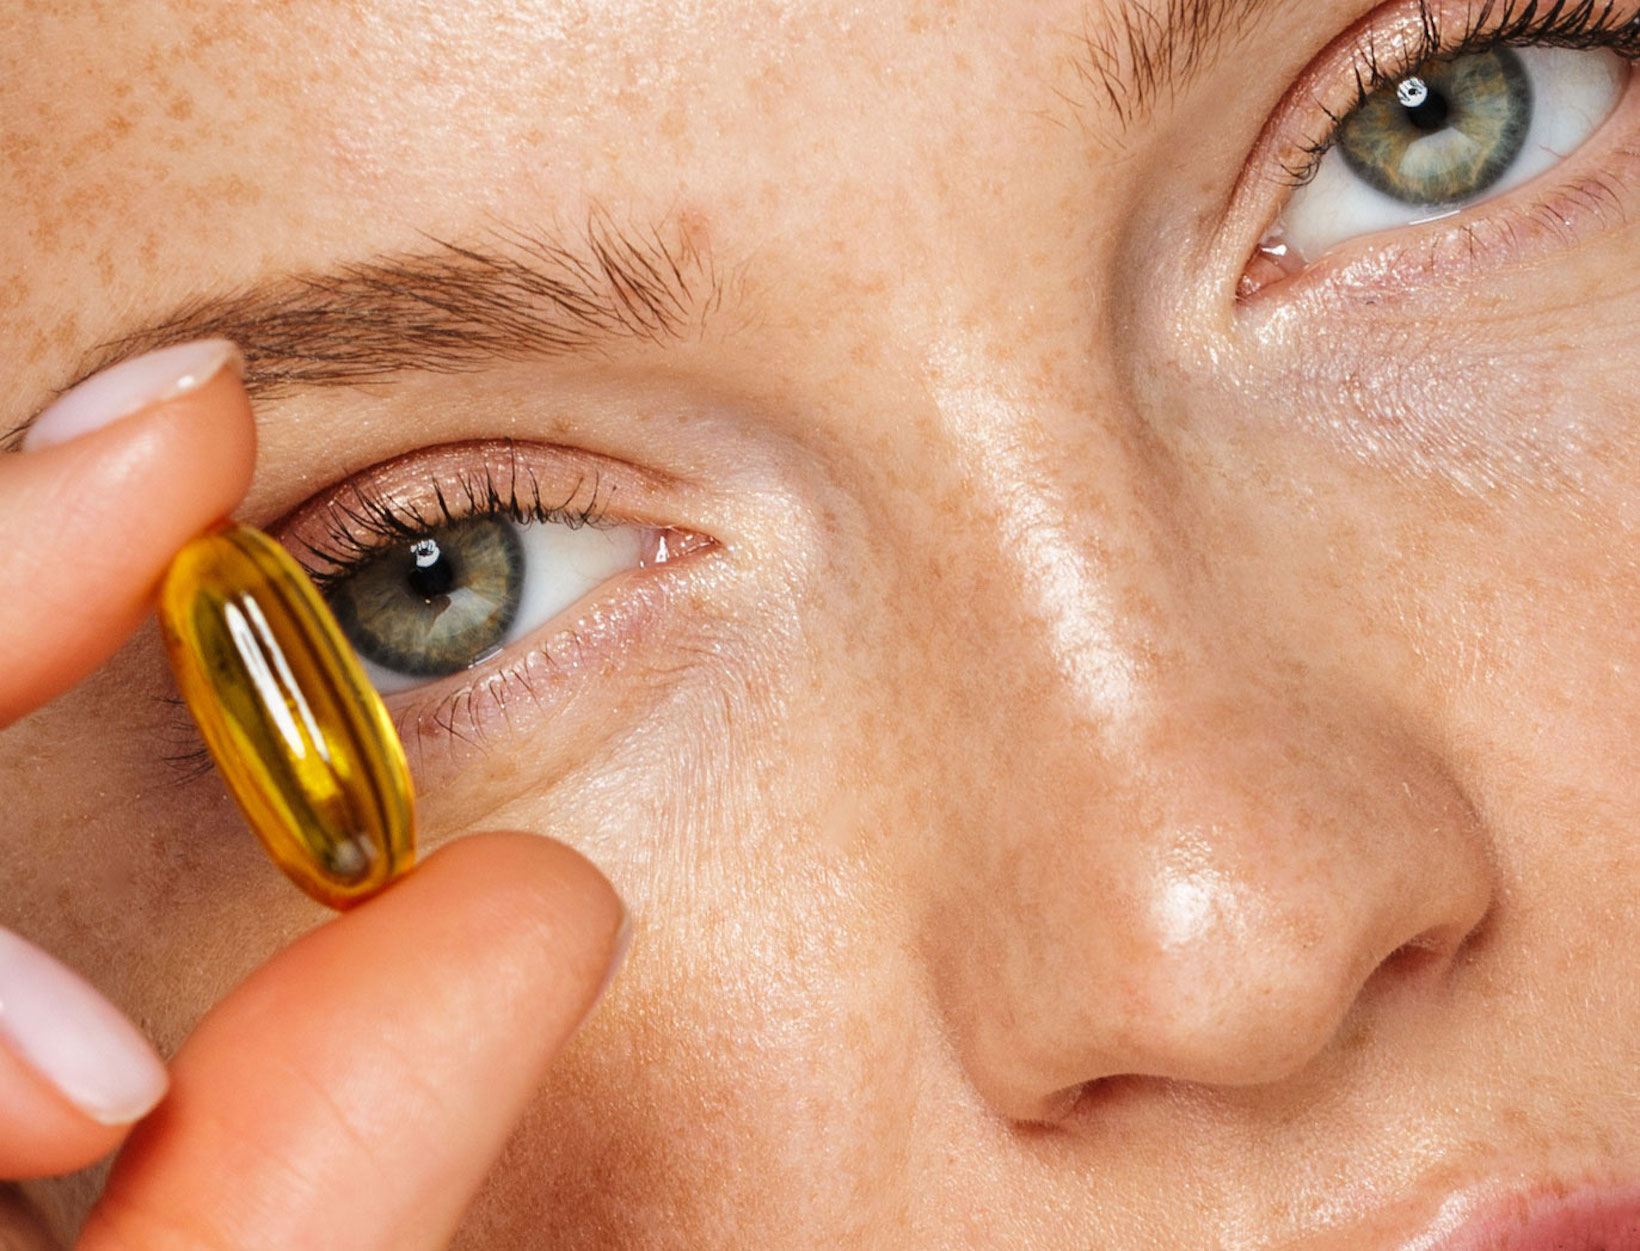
<point x="353" y="1092"/>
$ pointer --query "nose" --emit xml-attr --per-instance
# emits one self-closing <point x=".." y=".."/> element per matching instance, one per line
<point x="1208" y="902"/>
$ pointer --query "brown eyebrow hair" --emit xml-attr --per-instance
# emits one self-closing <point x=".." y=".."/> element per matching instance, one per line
<point x="452" y="308"/>
<point x="1148" y="50"/>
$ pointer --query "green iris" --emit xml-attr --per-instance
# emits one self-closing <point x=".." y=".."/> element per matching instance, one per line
<point x="1445" y="133"/>
<point x="434" y="604"/>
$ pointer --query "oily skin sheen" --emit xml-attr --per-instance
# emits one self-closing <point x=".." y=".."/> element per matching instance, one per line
<point x="1134" y="771"/>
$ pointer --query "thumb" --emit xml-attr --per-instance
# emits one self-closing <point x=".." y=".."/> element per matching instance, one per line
<point x="356" y="1089"/>
<point x="113" y="479"/>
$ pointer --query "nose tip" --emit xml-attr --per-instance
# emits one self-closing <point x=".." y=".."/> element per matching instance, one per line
<point x="1250" y="972"/>
<point x="1254" y="1006"/>
<point x="1229" y="952"/>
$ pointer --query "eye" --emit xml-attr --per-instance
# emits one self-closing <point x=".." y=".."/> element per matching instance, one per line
<point x="431" y="604"/>
<point x="440" y="560"/>
<point x="1457" y="131"/>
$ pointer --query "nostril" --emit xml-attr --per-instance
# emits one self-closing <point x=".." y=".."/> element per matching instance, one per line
<point x="1434" y="953"/>
<point x="1103" y="1101"/>
<point x="1062" y="1104"/>
<point x="1077" y="1103"/>
<point x="1411" y="957"/>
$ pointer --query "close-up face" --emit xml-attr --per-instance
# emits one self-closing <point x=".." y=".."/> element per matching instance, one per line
<point x="1072" y="561"/>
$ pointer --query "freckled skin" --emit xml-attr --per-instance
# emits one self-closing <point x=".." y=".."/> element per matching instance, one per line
<point x="1140" y="771"/>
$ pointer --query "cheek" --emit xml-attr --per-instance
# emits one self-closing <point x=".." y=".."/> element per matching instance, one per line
<point x="712" y="1093"/>
<point x="1466" y="524"/>
<point x="760" y="1037"/>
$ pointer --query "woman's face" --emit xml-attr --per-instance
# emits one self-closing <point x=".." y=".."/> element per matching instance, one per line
<point x="1133" y="741"/>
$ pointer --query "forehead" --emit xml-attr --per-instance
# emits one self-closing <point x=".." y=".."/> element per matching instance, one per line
<point x="154" y="153"/>
<point x="250" y="137"/>
<point x="369" y="100"/>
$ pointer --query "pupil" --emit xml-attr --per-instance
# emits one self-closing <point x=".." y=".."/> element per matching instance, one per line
<point x="1426" y="108"/>
<point x="432" y="576"/>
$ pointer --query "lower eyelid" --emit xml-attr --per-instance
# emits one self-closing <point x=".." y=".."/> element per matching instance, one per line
<point x="546" y="698"/>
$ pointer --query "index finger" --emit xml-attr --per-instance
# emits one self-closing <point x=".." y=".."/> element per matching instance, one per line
<point x="88" y="525"/>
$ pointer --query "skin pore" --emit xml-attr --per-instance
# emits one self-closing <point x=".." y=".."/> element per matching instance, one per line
<point x="1125" y="763"/>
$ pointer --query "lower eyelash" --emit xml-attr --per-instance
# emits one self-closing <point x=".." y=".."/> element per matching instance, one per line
<point x="1577" y="24"/>
<point x="192" y="759"/>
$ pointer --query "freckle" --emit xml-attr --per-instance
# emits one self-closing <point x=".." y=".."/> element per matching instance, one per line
<point x="65" y="338"/>
<point x="20" y="150"/>
<point x="180" y="109"/>
<point x="232" y="189"/>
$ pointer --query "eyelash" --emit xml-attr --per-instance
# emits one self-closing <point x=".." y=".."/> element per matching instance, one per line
<point x="1579" y="24"/>
<point x="357" y="530"/>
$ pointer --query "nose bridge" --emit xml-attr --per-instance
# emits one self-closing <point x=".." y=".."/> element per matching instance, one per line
<point x="1053" y="530"/>
<point x="1192" y="862"/>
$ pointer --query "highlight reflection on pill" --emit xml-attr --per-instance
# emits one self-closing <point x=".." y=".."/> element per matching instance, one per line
<point x="297" y="731"/>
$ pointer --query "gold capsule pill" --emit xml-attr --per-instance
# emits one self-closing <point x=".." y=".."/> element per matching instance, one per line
<point x="297" y="731"/>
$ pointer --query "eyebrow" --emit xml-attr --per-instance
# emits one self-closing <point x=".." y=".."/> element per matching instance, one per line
<point x="1140" y="53"/>
<point x="451" y="308"/>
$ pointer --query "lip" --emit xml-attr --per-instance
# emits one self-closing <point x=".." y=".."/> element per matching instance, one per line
<point x="1603" y="1219"/>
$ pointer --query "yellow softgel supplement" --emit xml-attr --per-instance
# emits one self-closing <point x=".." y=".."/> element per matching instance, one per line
<point x="296" y="729"/>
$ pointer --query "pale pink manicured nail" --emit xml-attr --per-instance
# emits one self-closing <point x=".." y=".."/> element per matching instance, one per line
<point x="129" y="387"/>
<point x="59" y="1026"/>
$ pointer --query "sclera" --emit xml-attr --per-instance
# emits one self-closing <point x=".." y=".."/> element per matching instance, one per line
<point x="297" y="731"/>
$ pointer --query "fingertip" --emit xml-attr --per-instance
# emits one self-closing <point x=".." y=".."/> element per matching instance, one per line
<point x="200" y="444"/>
<point x="529" y="876"/>
<point x="89" y="525"/>
<point x="531" y="882"/>
<point x="131" y="386"/>
<point x="42" y="1134"/>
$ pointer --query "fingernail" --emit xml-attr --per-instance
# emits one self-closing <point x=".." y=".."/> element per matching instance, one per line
<point x="58" y="1025"/>
<point x="129" y="387"/>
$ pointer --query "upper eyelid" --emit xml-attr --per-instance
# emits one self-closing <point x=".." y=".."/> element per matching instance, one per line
<point x="1378" y="51"/>
<point x="1334" y="78"/>
<point x="396" y="494"/>
<point x="445" y="461"/>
